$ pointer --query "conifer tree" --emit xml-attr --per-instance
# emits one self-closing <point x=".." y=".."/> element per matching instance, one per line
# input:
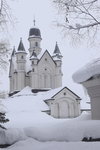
<point x="2" y="116"/>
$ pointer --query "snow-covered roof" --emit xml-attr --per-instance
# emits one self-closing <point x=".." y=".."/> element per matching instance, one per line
<point x="88" y="71"/>
<point x="55" y="58"/>
<point x="24" y="92"/>
<point x="50" y="94"/>
<point x="85" y="105"/>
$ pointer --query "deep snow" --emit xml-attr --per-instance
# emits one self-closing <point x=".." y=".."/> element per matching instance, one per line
<point x="31" y="144"/>
<point x="31" y="128"/>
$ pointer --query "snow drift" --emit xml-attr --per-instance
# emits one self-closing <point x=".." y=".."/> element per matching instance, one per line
<point x="24" y="110"/>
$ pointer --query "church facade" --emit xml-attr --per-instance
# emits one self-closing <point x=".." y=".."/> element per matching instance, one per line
<point x="40" y="71"/>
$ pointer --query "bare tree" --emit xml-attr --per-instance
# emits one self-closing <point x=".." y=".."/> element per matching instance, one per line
<point x="5" y="18"/>
<point x="4" y="54"/>
<point x="82" y="17"/>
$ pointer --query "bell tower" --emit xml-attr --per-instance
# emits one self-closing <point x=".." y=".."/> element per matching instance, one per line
<point x="34" y="40"/>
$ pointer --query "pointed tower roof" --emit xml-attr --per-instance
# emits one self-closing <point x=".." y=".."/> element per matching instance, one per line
<point x="13" y="52"/>
<point x="21" y="46"/>
<point x="56" y="50"/>
<point x="57" y="54"/>
<point x="33" y="56"/>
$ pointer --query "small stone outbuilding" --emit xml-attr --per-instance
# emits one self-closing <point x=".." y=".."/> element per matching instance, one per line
<point x="63" y="103"/>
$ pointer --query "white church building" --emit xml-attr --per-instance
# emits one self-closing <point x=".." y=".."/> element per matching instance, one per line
<point x="42" y="72"/>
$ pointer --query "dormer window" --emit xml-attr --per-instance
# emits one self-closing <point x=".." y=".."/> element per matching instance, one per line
<point x="36" y="44"/>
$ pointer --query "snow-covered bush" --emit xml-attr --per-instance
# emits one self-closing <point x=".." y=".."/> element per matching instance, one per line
<point x="2" y="116"/>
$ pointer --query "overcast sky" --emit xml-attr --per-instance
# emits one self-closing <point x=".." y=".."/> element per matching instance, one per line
<point x="74" y="57"/>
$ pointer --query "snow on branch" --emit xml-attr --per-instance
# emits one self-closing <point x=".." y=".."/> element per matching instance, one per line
<point x="79" y="14"/>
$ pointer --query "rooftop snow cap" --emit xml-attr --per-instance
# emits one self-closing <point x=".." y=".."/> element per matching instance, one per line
<point x="92" y="69"/>
<point x="57" y="54"/>
<point x="21" y="46"/>
<point x="34" y="56"/>
<point x="35" y="32"/>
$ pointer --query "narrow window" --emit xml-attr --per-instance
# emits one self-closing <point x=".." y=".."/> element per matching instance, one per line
<point x="22" y="57"/>
<point x="36" y="44"/>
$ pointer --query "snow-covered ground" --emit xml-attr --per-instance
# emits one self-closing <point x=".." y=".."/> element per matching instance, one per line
<point x="31" y="144"/>
<point x="29" y="128"/>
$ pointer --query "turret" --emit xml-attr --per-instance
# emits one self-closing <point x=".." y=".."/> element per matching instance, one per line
<point x="34" y="71"/>
<point x="21" y="56"/>
<point x="57" y="54"/>
<point x="12" y="70"/>
<point x="21" y="65"/>
<point x="57" y="57"/>
<point x="34" y="40"/>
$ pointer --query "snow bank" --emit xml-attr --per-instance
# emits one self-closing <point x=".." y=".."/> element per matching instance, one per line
<point x="31" y="144"/>
<point x="11" y="136"/>
<point x="2" y="107"/>
<point x="66" y="130"/>
<point x="88" y="71"/>
<point x="24" y="92"/>
<point x="27" y="120"/>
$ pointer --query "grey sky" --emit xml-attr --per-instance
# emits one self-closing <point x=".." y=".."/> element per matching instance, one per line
<point x="73" y="56"/>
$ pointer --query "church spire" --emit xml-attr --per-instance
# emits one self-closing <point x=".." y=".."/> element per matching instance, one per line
<point x="34" y="21"/>
<point x="33" y="56"/>
<point x="21" y="46"/>
<point x="57" y="54"/>
<point x="56" y="50"/>
<point x="13" y="52"/>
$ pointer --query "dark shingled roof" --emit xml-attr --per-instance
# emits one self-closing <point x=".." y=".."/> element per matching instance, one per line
<point x="56" y="50"/>
<point x="34" y="54"/>
<point x="13" y="52"/>
<point x="34" y="31"/>
<point x="21" y="46"/>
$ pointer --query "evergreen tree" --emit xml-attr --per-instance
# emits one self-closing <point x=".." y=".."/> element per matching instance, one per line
<point x="2" y="116"/>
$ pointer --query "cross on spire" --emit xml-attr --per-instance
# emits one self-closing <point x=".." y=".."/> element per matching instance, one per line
<point x="34" y="21"/>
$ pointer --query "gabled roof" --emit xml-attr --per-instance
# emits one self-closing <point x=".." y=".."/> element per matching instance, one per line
<point x="21" y="46"/>
<point x="49" y="55"/>
<point x="53" y="92"/>
<point x="68" y="90"/>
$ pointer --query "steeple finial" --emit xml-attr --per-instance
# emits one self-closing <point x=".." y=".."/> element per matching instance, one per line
<point x="21" y="39"/>
<point x="34" y="21"/>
